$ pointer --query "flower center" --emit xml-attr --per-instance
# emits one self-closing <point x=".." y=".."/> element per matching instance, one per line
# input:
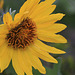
<point x="22" y="35"/>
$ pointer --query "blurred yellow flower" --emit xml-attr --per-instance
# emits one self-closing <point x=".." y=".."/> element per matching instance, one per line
<point x="20" y="39"/>
<point x="1" y="4"/>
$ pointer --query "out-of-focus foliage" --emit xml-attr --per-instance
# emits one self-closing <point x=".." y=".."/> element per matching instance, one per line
<point x="36" y="72"/>
<point x="60" y="46"/>
<point x="14" y="4"/>
<point x="66" y="7"/>
<point x="1" y="4"/>
<point x="68" y="66"/>
<point x="9" y="71"/>
<point x="55" y="70"/>
<point x="0" y="20"/>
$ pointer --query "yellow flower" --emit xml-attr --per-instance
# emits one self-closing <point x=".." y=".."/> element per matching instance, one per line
<point x="1" y="4"/>
<point x="20" y="39"/>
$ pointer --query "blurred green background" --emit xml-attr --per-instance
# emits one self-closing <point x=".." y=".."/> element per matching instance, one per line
<point x="66" y="65"/>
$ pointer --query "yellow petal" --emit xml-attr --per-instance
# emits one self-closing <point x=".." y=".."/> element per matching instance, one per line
<point x="50" y="37"/>
<point x="3" y="32"/>
<point x="36" y="63"/>
<point x="3" y="29"/>
<point x="51" y="18"/>
<point x="3" y="48"/>
<point x="34" y="6"/>
<point x="7" y="19"/>
<point x="16" y="22"/>
<point x="43" y="55"/>
<point x="4" y="58"/>
<point x="45" y="7"/>
<point x="19" y="17"/>
<point x="25" y="65"/>
<point x="47" y="48"/>
<point x="54" y="28"/>
<point x="11" y="51"/>
<point x="24" y="6"/>
<point x="2" y="41"/>
<point x="16" y="64"/>
<point x="2" y="36"/>
<point x="51" y="1"/>
<point x="29" y="5"/>
<point x="44" y="25"/>
<point x="46" y="10"/>
<point x="25" y="56"/>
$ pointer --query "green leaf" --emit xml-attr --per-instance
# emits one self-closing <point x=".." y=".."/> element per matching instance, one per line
<point x="36" y="72"/>
<point x="9" y="71"/>
<point x="55" y="70"/>
<point x="0" y="20"/>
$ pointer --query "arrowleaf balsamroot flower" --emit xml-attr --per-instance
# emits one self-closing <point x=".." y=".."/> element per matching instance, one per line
<point x="20" y="39"/>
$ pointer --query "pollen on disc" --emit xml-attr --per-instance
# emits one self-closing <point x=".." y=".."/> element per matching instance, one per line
<point x="22" y="35"/>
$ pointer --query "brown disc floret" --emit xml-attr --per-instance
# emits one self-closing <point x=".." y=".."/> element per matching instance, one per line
<point x="22" y="35"/>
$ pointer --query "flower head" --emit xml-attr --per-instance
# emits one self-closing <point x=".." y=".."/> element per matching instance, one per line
<point x="20" y="39"/>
